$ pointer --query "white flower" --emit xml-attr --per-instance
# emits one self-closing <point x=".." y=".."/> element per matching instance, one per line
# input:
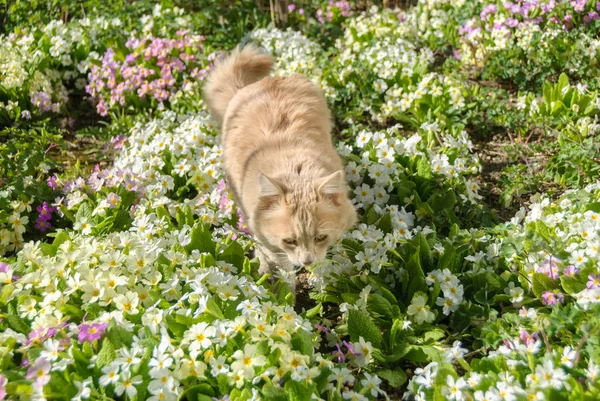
<point x="419" y="310"/>
<point x="246" y="360"/>
<point x="454" y="389"/>
<point x="127" y="384"/>
<point x="111" y="374"/>
<point x="568" y="357"/>
<point x="84" y="390"/>
<point x="200" y="335"/>
<point x="365" y="349"/>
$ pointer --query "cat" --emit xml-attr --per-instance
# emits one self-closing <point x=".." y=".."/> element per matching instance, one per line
<point x="280" y="163"/>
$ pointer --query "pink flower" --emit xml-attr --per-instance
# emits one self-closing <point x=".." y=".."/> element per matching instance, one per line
<point x="570" y="271"/>
<point x="4" y="267"/>
<point x="551" y="298"/>
<point x="91" y="332"/>
<point x="527" y="338"/>
<point x="594" y="281"/>
<point x="39" y="372"/>
<point x="2" y="387"/>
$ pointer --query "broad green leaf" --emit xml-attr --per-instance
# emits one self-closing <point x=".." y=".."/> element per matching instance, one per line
<point x="106" y="354"/>
<point x="571" y="285"/>
<point x="302" y="342"/>
<point x="377" y="303"/>
<point x="361" y="325"/>
<point x="298" y="391"/>
<point x="542" y="283"/>
<point x="416" y="276"/>
<point x="395" y="378"/>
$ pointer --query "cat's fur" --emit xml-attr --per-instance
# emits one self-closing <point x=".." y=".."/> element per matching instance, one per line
<point x="279" y="159"/>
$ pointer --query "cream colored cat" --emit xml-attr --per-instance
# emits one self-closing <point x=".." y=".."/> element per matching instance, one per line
<point x="279" y="159"/>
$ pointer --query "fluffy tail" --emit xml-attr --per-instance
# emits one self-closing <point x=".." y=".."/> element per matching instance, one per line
<point x="242" y="68"/>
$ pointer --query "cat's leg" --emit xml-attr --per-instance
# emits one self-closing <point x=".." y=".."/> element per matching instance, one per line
<point x="282" y="268"/>
<point x="265" y="264"/>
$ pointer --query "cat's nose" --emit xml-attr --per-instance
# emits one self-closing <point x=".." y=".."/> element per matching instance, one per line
<point x="307" y="260"/>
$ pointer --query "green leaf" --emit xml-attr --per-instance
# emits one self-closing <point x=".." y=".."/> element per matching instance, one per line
<point x="201" y="239"/>
<point x="202" y="391"/>
<point x="396" y="378"/>
<point x="119" y="337"/>
<point x="571" y="285"/>
<point x="542" y="283"/>
<point x="416" y="276"/>
<point x="6" y="293"/>
<point x="378" y="304"/>
<point x="314" y="311"/>
<point x="326" y="297"/>
<point x="17" y="324"/>
<point x="213" y="309"/>
<point x="424" y="253"/>
<point x="302" y="342"/>
<point x="106" y="354"/>
<point x="387" y="294"/>
<point x="441" y="202"/>
<point x="361" y="325"/>
<point x="272" y="393"/>
<point x="298" y="391"/>
<point x="185" y="216"/>
<point x="543" y="230"/>
<point x="234" y="254"/>
<point x="424" y="169"/>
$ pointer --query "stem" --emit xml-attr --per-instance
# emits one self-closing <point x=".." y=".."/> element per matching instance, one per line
<point x="531" y="361"/>
<point x="545" y="337"/>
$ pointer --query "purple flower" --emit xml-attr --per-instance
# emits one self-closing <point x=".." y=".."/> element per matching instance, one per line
<point x="579" y="5"/>
<point x="527" y="338"/>
<point x="52" y="182"/>
<point x="301" y="11"/>
<point x="322" y="329"/>
<point x="90" y="332"/>
<point x="487" y="10"/>
<point x="341" y="357"/>
<point x="549" y="268"/>
<point x="221" y="185"/>
<point x="551" y="298"/>
<point x="113" y="200"/>
<point x="594" y="281"/>
<point x="4" y="267"/>
<point x="291" y="7"/>
<point x="42" y="225"/>
<point x="2" y="387"/>
<point x="351" y="348"/>
<point x="42" y="101"/>
<point x="39" y="372"/>
<point x="456" y="54"/>
<point x="591" y="16"/>
<point x="570" y="271"/>
<point x="45" y="211"/>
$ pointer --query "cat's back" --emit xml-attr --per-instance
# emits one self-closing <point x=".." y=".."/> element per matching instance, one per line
<point x="276" y="105"/>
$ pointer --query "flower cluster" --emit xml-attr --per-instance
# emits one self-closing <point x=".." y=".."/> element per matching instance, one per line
<point x="295" y="54"/>
<point x="42" y="222"/>
<point x="154" y="71"/>
<point x="531" y="29"/>
<point x="159" y="305"/>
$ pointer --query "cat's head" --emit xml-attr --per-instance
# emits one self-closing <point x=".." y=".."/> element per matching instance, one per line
<point x="300" y="218"/>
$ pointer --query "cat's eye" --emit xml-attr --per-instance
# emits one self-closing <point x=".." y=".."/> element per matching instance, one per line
<point x="320" y="238"/>
<point x="290" y="241"/>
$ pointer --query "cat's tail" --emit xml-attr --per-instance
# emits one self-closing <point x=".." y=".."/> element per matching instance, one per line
<point x="242" y="68"/>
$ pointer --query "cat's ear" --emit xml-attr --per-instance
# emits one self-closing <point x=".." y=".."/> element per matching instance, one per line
<point x="269" y="186"/>
<point x="270" y="192"/>
<point x="332" y="187"/>
<point x="332" y="184"/>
